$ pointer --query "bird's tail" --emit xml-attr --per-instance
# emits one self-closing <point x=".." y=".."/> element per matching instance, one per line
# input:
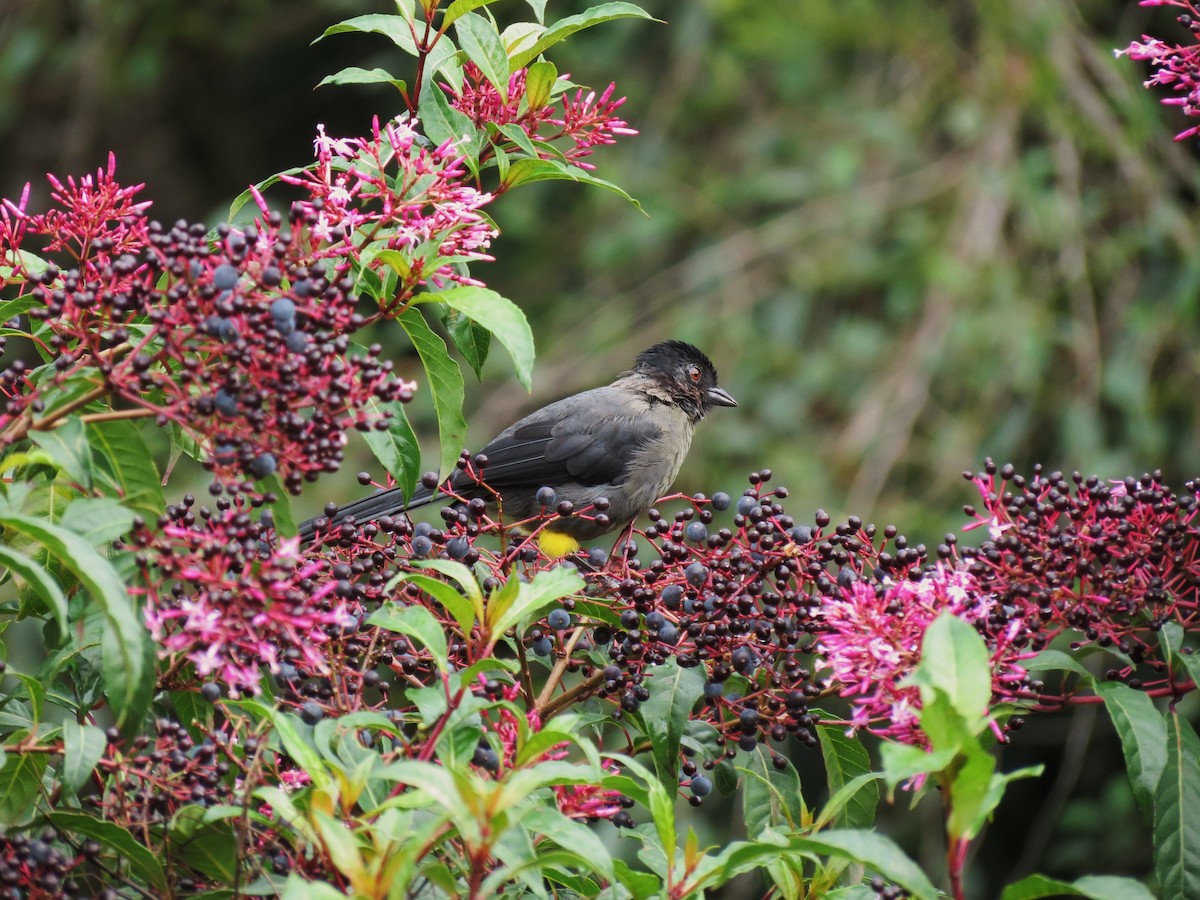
<point x="369" y="509"/>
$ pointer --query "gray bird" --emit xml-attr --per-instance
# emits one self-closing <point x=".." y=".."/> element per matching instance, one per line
<point x="624" y="442"/>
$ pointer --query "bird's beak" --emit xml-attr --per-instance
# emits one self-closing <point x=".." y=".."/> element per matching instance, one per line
<point x="720" y="397"/>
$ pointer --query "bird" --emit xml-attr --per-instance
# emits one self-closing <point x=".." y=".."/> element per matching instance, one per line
<point x="624" y="442"/>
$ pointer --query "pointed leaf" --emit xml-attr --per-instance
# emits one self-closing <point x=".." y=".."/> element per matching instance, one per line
<point x="445" y="385"/>
<point x="395" y="28"/>
<point x="460" y="8"/>
<point x="876" y="852"/>
<point x="83" y="745"/>
<point x="539" y="83"/>
<point x="954" y="660"/>
<point x="125" y="645"/>
<point x="674" y="692"/>
<point x="548" y="586"/>
<point x="772" y="797"/>
<point x="1176" y="800"/>
<point x="396" y="447"/>
<point x="441" y="121"/>
<point x="415" y="622"/>
<point x="501" y="317"/>
<point x="67" y="445"/>
<point x="20" y="786"/>
<point x="130" y="466"/>
<point x="846" y="760"/>
<point x="41" y="582"/>
<point x="480" y="40"/>
<point x="1095" y="887"/>
<point x="454" y="602"/>
<point x="1143" y="735"/>
<point x="472" y="339"/>
<point x="141" y="861"/>
<point x="357" y="75"/>
<point x="564" y="28"/>
<point x="530" y="171"/>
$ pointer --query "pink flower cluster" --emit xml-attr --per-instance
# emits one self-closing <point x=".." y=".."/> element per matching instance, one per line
<point x="1175" y="65"/>
<point x="391" y="192"/>
<point x="215" y="597"/>
<point x="872" y="643"/>
<point x="584" y="119"/>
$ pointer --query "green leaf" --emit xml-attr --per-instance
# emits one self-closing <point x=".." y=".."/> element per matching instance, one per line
<point x="126" y="653"/>
<point x="415" y="622"/>
<point x="539" y="83"/>
<point x="772" y="797"/>
<point x="1176" y="800"/>
<point x="1096" y="887"/>
<point x="20" y="786"/>
<point x="570" y="835"/>
<point x="460" y="8"/>
<point x="1143" y="735"/>
<point x="954" y="660"/>
<point x="876" y="852"/>
<point x="460" y="574"/>
<point x="847" y="760"/>
<point x="564" y="28"/>
<point x="1056" y="660"/>
<point x="454" y="602"/>
<point x="41" y="582"/>
<point x="445" y="385"/>
<point x="280" y="507"/>
<point x="530" y="171"/>
<point x="674" y="692"/>
<point x="480" y="40"/>
<point x="204" y="845"/>
<point x="539" y="8"/>
<point x="142" y="861"/>
<point x="67" y="445"/>
<point x="472" y="339"/>
<point x="10" y="309"/>
<point x="83" y="745"/>
<point x="245" y="196"/>
<point x="128" y="466"/>
<point x="501" y="317"/>
<point x="394" y="28"/>
<point x="970" y="798"/>
<point x="441" y="121"/>
<point x="357" y="75"/>
<point x="99" y="520"/>
<point x="548" y="587"/>
<point x="396" y="447"/>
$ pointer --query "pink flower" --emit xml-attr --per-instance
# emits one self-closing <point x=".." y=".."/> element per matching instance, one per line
<point x="872" y="637"/>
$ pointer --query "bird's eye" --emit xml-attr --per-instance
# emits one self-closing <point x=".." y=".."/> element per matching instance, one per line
<point x="694" y="373"/>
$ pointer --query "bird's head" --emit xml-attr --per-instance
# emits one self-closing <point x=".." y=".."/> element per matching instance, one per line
<point x="685" y="374"/>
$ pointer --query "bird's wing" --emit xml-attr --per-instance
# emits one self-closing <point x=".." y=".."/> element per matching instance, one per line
<point x="586" y="439"/>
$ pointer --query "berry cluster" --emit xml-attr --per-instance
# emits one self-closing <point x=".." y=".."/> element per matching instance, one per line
<point x="235" y="339"/>
<point x="1108" y="563"/>
<point x="152" y="779"/>
<point x="41" y="868"/>
<point x="742" y="602"/>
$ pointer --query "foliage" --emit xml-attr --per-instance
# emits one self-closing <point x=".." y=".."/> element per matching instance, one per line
<point x="399" y="709"/>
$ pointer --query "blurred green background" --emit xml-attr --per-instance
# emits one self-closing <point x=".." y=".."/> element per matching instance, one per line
<point x="910" y="233"/>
